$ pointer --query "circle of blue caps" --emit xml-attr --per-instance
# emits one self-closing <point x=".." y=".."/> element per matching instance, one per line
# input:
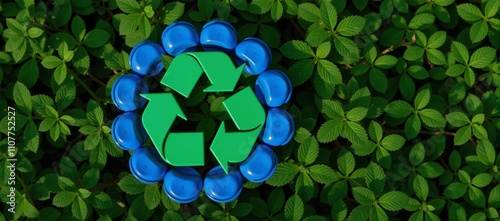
<point x="184" y="184"/>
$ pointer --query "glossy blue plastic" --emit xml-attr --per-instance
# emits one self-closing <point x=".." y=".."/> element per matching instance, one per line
<point x="255" y="53"/>
<point x="126" y="91"/>
<point x="273" y="88"/>
<point x="279" y="127"/>
<point x="180" y="37"/>
<point x="145" y="58"/>
<point x="147" y="166"/>
<point x="218" y="35"/>
<point x="221" y="187"/>
<point x="260" y="165"/>
<point x="182" y="184"/>
<point x="128" y="132"/>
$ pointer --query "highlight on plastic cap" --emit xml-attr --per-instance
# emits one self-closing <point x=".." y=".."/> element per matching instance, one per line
<point x="182" y="184"/>
<point x="260" y="165"/>
<point x="221" y="187"/>
<point x="279" y="127"/>
<point x="146" y="165"/>
<point x="255" y="53"/>
<point x="126" y="91"/>
<point x="145" y="58"/>
<point x="273" y="88"/>
<point x="180" y="37"/>
<point x="218" y="35"/>
<point x="128" y="132"/>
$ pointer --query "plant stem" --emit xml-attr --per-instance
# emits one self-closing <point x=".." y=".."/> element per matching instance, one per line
<point x="92" y="94"/>
<point x="403" y="43"/>
<point x="96" y="79"/>
<point x="104" y="186"/>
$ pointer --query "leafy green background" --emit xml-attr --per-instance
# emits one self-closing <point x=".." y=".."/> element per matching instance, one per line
<point x="396" y="105"/>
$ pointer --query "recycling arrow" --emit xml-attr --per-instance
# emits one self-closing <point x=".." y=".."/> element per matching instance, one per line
<point x="248" y="116"/>
<point x="187" y="68"/>
<point x="177" y="149"/>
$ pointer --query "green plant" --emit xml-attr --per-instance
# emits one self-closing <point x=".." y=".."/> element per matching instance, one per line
<point x="396" y="106"/>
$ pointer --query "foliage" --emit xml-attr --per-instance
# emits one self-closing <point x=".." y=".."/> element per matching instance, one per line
<point x="396" y="106"/>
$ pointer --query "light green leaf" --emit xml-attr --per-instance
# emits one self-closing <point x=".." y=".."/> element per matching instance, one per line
<point x="482" y="57"/>
<point x="457" y="119"/>
<point x="308" y="151"/>
<point x="357" y="114"/>
<point x="399" y="109"/>
<point x="432" y="118"/>
<point x="347" y="48"/>
<point x="323" y="50"/>
<point x="469" y="12"/>
<point x="462" y="135"/>
<point x="361" y="213"/>
<point x="460" y="52"/>
<point x="323" y="174"/>
<point x="131" y="185"/>
<point x="363" y="195"/>
<point x="296" y="50"/>
<point x="393" y="142"/>
<point x="284" y="174"/>
<point x="346" y="162"/>
<point x="485" y="152"/>
<point x="393" y="201"/>
<point x="329" y="72"/>
<point x="333" y="109"/>
<point x="328" y="15"/>
<point x="386" y="61"/>
<point x="22" y="97"/>
<point x="63" y="198"/>
<point x="355" y="133"/>
<point x="375" y="131"/>
<point x="481" y="180"/>
<point x="437" y="39"/>
<point x="128" y="6"/>
<point x="436" y="56"/>
<point x="413" y="53"/>
<point x="276" y="11"/>
<point x="421" y="21"/>
<point x="422" y="99"/>
<point x="455" y="70"/>
<point x="420" y="187"/>
<point x="480" y="132"/>
<point x="309" y="12"/>
<point x="79" y="208"/>
<point x="96" y="38"/>
<point x="351" y="25"/>
<point x="51" y="62"/>
<point x="294" y="208"/>
<point x="478" y="31"/>
<point x="152" y="196"/>
<point x="476" y="196"/>
<point x="330" y="131"/>
<point x="173" y="11"/>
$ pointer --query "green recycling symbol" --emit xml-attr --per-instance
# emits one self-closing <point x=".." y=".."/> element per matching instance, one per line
<point x="187" y="148"/>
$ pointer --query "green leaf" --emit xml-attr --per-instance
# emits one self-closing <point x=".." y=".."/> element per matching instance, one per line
<point x="79" y="208"/>
<point x="399" y="109"/>
<point x="363" y="195"/>
<point x="173" y="11"/>
<point x="355" y="133"/>
<point x="333" y="109"/>
<point x="393" y="142"/>
<point x="417" y="154"/>
<point x="469" y="12"/>
<point x="128" y="6"/>
<point x="378" y="80"/>
<point x="386" y="61"/>
<point x="152" y="196"/>
<point x="375" y="131"/>
<point x="347" y="48"/>
<point x="457" y="119"/>
<point x="482" y="57"/>
<point x="323" y="50"/>
<point x="22" y="97"/>
<point x="393" y="201"/>
<point x="294" y="208"/>
<point x="63" y="198"/>
<point x="51" y="62"/>
<point x="329" y="72"/>
<point x="96" y="38"/>
<point x="276" y="200"/>
<point x="276" y="11"/>
<point x="357" y="114"/>
<point x="421" y="21"/>
<point x="432" y="118"/>
<point x="437" y="39"/>
<point x="285" y="172"/>
<point x="413" y="53"/>
<point x="78" y="27"/>
<point x="491" y="8"/>
<point x="481" y="180"/>
<point x="304" y="186"/>
<point x="131" y="185"/>
<point x="476" y="196"/>
<point x="375" y="178"/>
<point x="480" y="132"/>
<point x="322" y="174"/>
<point x="259" y="6"/>
<point x="455" y="190"/>
<point x="309" y="12"/>
<point x="478" y="31"/>
<point x="462" y="135"/>
<point x="430" y="170"/>
<point x="346" y="162"/>
<point x="361" y="212"/>
<point x="330" y="131"/>
<point x="460" y="52"/>
<point x="485" y="152"/>
<point x="301" y="71"/>
<point x="316" y="37"/>
<point x="94" y="113"/>
<point x="422" y="99"/>
<point x="436" y="56"/>
<point x="308" y="151"/>
<point x="420" y="187"/>
<point x="28" y="74"/>
<point x="328" y="15"/>
<point x="351" y="25"/>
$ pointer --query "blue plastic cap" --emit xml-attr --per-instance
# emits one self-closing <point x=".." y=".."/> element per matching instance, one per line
<point x="218" y="35"/>
<point x="182" y="184"/>
<point x="145" y="58"/>
<point x="180" y="37"/>
<point x="273" y="88"/>
<point x="146" y="165"/>
<point x="260" y="165"/>
<point x="255" y="53"/>
<point x="221" y="187"/>
<point x="279" y="127"/>
<point x="126" y="91"/>
<point x="128" y="132"/>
